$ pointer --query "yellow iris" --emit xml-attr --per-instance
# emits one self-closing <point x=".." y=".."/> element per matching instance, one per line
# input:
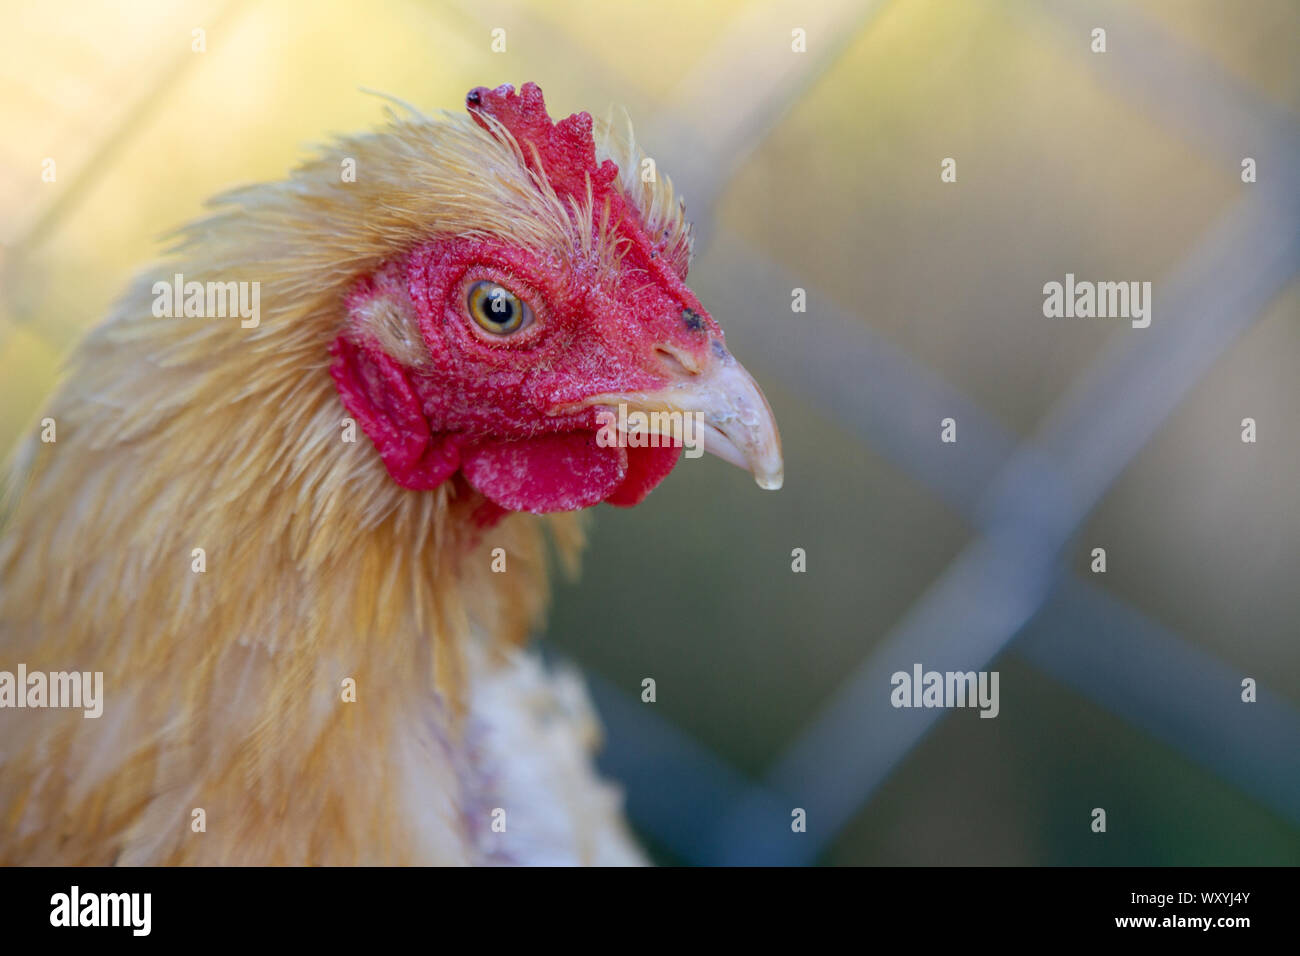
<point x="496" y="309"/>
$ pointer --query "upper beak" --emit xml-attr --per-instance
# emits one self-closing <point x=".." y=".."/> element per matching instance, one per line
<point x="738" y="423"/>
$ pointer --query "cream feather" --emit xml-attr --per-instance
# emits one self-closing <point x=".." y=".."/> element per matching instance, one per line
<point x="223" y="688"/>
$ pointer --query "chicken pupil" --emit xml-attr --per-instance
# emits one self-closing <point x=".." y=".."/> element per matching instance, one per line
<point x="503" y="308"/>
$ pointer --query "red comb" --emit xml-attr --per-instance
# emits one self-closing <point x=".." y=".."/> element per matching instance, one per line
<point x="566" y="150"/>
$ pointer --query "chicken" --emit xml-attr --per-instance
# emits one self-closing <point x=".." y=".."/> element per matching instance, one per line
<point x="312" y="646"/>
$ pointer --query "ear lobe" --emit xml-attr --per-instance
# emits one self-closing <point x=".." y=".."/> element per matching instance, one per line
<point x="376" y="391"/>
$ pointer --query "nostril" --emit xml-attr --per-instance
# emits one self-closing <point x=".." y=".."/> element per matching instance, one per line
<point x="694" y="321"/>
<point x="678" y="362"/>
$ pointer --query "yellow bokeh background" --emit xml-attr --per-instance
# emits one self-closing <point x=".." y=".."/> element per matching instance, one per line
<point x="1064" y="165"/>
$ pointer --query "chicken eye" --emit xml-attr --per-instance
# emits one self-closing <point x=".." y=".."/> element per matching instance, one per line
<point x="496" y="309"/>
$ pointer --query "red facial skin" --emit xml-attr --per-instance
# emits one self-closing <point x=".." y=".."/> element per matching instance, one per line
<point x="488" y="405"/>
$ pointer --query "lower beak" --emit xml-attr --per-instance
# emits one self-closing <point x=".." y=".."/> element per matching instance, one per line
<point x="738" y="425"/>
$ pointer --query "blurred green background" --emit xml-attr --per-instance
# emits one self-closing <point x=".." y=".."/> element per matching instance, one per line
<point x="820" y="170"/>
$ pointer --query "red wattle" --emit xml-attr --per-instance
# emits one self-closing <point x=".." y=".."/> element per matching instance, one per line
<point x="646" y="467"/>
<point x="561" y="472"/>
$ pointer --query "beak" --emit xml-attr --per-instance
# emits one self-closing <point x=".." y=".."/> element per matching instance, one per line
<point x="738" y="423"/>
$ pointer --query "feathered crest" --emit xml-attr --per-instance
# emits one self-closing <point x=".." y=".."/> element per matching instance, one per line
<point x="661" y="211"/>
